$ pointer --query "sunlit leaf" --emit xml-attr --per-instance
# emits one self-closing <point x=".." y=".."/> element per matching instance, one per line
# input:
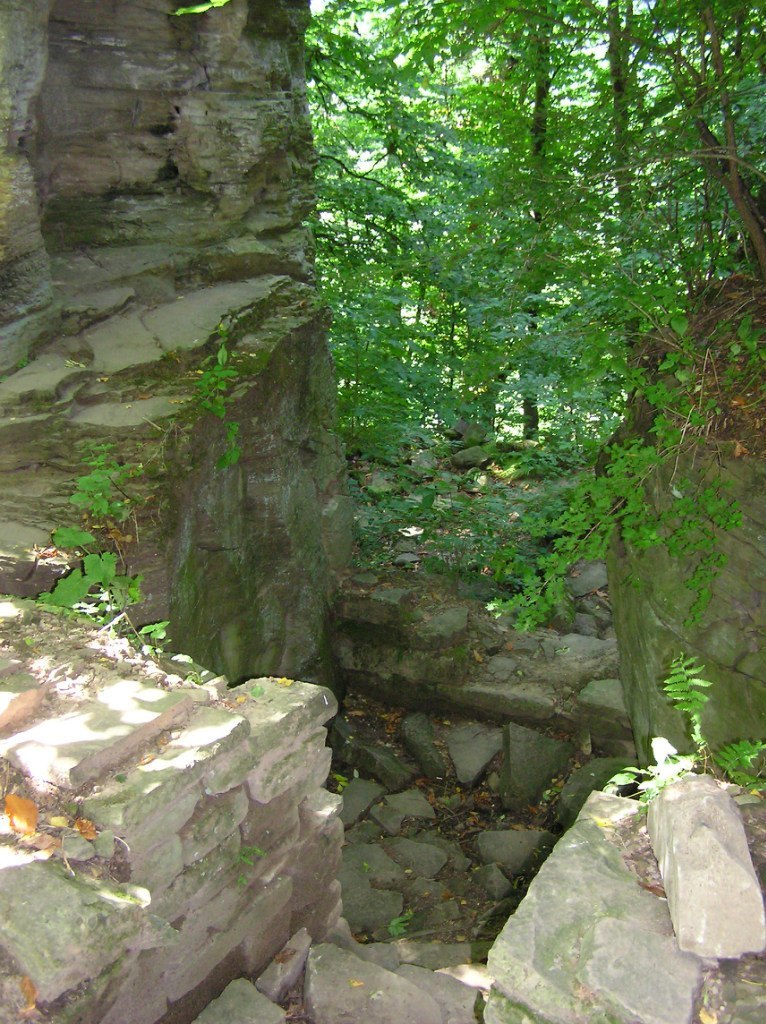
<point x="22" y="814"/>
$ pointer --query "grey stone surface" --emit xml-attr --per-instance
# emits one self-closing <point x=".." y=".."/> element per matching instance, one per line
<point x="374" y="864"/>
<point x="358" y="796"/>
<point x="340" y="988"/>
<point x="285" y="969"/>
<point x="365" y="907"/>
<point x="78" y="928"/>
<point x="530" y="762"/>
<point x="492" y="880"/>
<point x="443" y="628"/>
<point x="456" y="1000"/>
<point x="433" y="955"/>
<point x="571" y="960"/>
<point x="395" y="808"/>
<point x="471" y="748"/>
<point x="469" y="458"/>
<point x="602" y="704"/>
<point x="100" y="734"/>
<point x="418" y="855"/>
<point x="241" y="1003"/>
<point x="650" y="981"/>
<point x="369" y="756"/>
<point x="714" y="896"/>
<point x="418" y="740"/>
<point x="581" y="783"/>
<point x="515" y="850"/>
<point x="653" y="624"/>
<point x="585" y="577"/>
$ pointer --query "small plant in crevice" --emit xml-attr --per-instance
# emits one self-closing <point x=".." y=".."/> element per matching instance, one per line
<point x="246" y="856"/>
<point x="100" y="494"/>
<point x="212" y="387"/>
<point x="398" y="925"/>
<point x="735" y="762"/>
<point x="95" y="587"/>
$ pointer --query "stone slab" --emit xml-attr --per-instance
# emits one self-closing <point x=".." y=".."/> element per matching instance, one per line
<point x="61" y="930"/>
<point x="714" y="895"/>
<point x="21" y="697"/>
<point x="358" y="797"/>
<point x="391" y="813"/>
<point x="515" y="850"/>
<point x="530" y="762"/>
<point x="341" y="988"/>
<point x="471" y="748"/>
<point x="79" y="746"/>
<point x="551" y="943"/>
<point x="118" y="415"/>
<point x="285" y="969"/>
<point x="456" y="1000"/>
<point x="374" y="864"/>
<point x="417" y="855"/>
<point x="241" y="1003"/>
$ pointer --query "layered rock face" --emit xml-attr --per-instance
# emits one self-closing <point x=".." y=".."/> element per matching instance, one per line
<point x="153" y="186"/>
<point x="652" y="610"/>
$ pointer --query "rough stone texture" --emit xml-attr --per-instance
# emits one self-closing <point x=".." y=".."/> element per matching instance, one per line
<point x="479" y="664"/>
<point x="155" y="173"/>
<point x="471" y="748"/>
<point x="418" y="739"/>
<point x="457" y="1001"/>
<point x="588" y="944"/>
<point x="285" y="969"/>
<point x="714" y="896"/>
<point x="216" y="881"/>
<point x="514" y="849"/>
<point x="241" y="1003"/>
<point x="729" y="639"/>
<point x="602" y="706"/>
<point x="581" y="783"/>
<point x="530" y="761"/>
<point x="340" y="988"/>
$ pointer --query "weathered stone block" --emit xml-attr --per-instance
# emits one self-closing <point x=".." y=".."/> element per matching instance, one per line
<point x="714" y="895"/>
<point x="530" y="762"/>
<point x="241" y="1003"/>
<point x="307" y="768"/>
<point x="78" y="747"/>
<point x="214" y="820"/>
<point x="282" y="973"/>
<point x="79" y="928"/>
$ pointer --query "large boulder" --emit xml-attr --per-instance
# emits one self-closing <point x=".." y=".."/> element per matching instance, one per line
<point x="652" y="608"/>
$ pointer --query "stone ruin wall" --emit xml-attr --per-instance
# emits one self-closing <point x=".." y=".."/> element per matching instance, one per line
<point x="215" y="839"/>
<point x="155" y="176"/>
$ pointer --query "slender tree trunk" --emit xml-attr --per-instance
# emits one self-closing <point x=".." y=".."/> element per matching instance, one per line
<point x="722" y="159"/>
<point x="619" y="73"/>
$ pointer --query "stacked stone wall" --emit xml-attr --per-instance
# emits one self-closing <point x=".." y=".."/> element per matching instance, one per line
<point x="212" y="838"/>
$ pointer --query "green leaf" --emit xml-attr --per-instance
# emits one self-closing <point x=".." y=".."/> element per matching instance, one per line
<point x="71" y="537"/>
<point x="100" y="568"/>
<point x="69" y="591"/>
<point x="680" y="325"/>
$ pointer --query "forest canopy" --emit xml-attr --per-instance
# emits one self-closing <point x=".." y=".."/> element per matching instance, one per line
<point x="526" y="216"/>
<point x="508" y="201"/>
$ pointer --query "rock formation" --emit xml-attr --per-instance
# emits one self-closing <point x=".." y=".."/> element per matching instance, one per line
<point x="154" y="182"/>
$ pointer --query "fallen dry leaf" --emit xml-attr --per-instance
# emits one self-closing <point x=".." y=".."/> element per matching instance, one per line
<point x="22" y="814"/>
<point x="355" y="983"/>
<point x="59" y="821"/>
<point x="706" y="1017"/>
<point x="86" y="828"/>
<point x="29" y="991"/>
<point x="740" y="450"/>
<point x="284" y="956"/>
